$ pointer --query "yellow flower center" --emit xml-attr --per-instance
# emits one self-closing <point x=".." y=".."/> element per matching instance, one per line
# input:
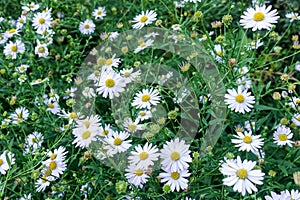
<point x="282" y="137"/>
<point x="86" y="123"/>
<point x="12" y="30"/>
<point x="220" y="53"/>
<point x="85" y="135"/>
<point x="14" y="48"/>
<point x="100" y="61"/>
<point x="41" y="20"/>
<point x="53" y="156"/>
<point x="143" y="155"/>
<point x="297" y="101"/>
<point x="247" y="139"/>
<point x="51" y="105"/>
<point x="175" y="156"/>
<point x="108" y="62"/>
<point x="1" y="161"/>
<point x="105" y="132"/>
<point x="48" y="172"/>
<point x="132" y="127"/>
<point x="294" y="17"/>
<point x="239" y="98"/>
<point x="142" y="114"/>
<point x="242" y="173"/>
<point x="86" y="26"/>
<point x="73" y="115"/>
<point x="44" y="179"/>
<point x="22" y="68"/>
<point x="126" y="74"/>
<point x="298" y="118"/>
<point x="52" y="165"/>
<point x="110" y="83"/>
<point x="145" y="98"/>
<point x="99" y="13"/>
<point x="41" y="50"/>
<point x="258" y="16"/>
<point x="175" y="175"/>
<point x="139" y="172"/>
<point x="117" y="141"/>
<point x="144" y="19"/>
<point x="185" y="67"/>
<point x="34" y="140"/>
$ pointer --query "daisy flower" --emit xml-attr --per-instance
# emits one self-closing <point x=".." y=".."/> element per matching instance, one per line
<point x="4" y="166"/>
<point x="12" y="49"/>
<point x="129" y="75"/>
<point x="239" y="101"/>
<point x="34" y="142"/>
<point x="43" y="182"/>
<point x="99" y="13"/>
<point x="53" y="106"/>
<point x="218" y="53"/>
<point x="41" y="21"/>
<point x="241" y="176"/>
<point x="22" y="68"/>
<point x="41" y="50"/>
<point x="259" y="18"/>
<point x="110" y="84"/>
<point x="143" y="45"/>
<point x="56" y="163"/>
<point x="106" y="130"/>
<point x="282" y="136"/>
<point x="247" y="142"/>
<point x="88" y="92"/>
<point x="144" y="115"/>
<point x="11" y="32"/>
<point x="21" y="114"/>
<point x="3" y="38"/>
<point x="87" y="27"/>
<point x="146" y="98"/>
<point x="296" y="119"/>
<point x="292" y="16"/>
<point x="21" y="21"/>
<point x="175" y="155"/>
<point x="175" y="179"/>
<point x="132" y="126"/>
<point x="111" y="62"/>
<point x="58" y="154"/>
<point x="31" y="7"/>
<point x="255" y="44"/>
<point x="295" y="101"/>
<point x="144" y="156"/>
<point x="136" y="175"/>
<point x="244" y="83"/>
<point x="117" y="142"/>
<point x="274" y="196"/>
<point x="144" y="19"/>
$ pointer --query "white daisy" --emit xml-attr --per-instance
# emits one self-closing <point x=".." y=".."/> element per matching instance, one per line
<point x="144" y="19"/>
<point x="110" y="84"/>
<point x="143" y="45"/>
<point x="99" y="13"/>
<point x="88" y="92"/>
<point x="14" y="48"/>
<point x="175" y="179"/>
<point x="52" y="105"/>
<point x="282" y="136"/>
<point x="241" y="176"/>
<point x="111" y="62"/>
<point x="136" y="175"/>
<point x="21" y="114"/>
<point x="129" y="75"/>
<point x="3" y="38"/>
<point x="296" y="119"/>
<point x="58" y="154"/>
<point x="146" y="98"/>
<point x="92" y="121"/>
<point x="255" y="44"/>
<point x="56" y="163"/>
<point x="275" y="196"/>
<point x="244" y="83"/>
<point x="34" y="142"/>
<point x="175" y="155"/>
<point x="11" y="32"/>
<point x="144" y="115"/>
<point x="41" y="50"/>
<point x="31" y="6"/>
<point x="22" y="68"/>
<point x="176" y="27"/>
<point x="293" y="195"/>
<point x="132" y="126"/>
<point x="117" y="142"/>
<point x="295" y="102"/>
<point x="259" y="18"/>
<point x="247" y="141"/>
<point x="87" y="27"/>
<point x="41" y="21"/>
<point x="292" y="16"/>
<point x="106" y="130"/>
<point x="43" y="182"/>
<point x="4" y="166"/>
<point x="218" y="52"/>
<point x="21" y="21"/>
<point x="144" y="156"/>
<point x="239" y="101"/>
